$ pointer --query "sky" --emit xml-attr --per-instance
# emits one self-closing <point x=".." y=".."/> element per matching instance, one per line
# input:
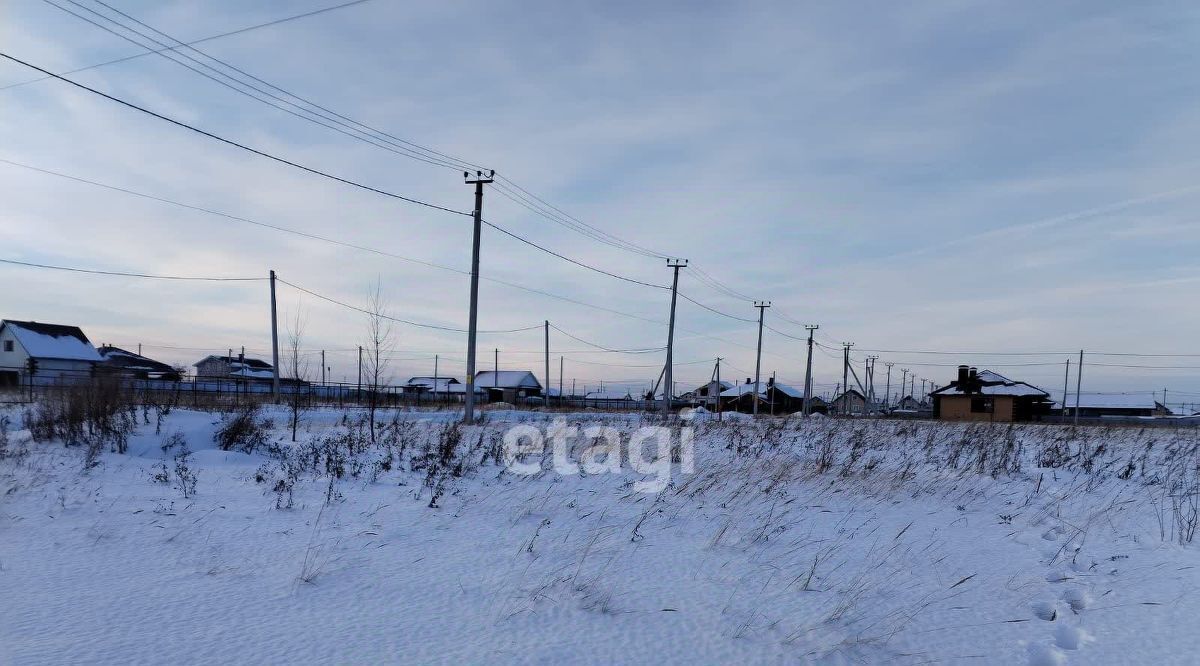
<point x="978" y="179"/>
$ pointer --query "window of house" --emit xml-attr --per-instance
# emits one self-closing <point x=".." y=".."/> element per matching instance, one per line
<point x="981" y="405"/>
<point x="8" y="345"/>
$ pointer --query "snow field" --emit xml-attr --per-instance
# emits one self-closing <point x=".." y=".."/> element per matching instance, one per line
<point x="795" y="541"/>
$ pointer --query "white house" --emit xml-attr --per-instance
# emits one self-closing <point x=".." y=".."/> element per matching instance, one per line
<point x="58" y="353"/>
<point x="508" y="384"/>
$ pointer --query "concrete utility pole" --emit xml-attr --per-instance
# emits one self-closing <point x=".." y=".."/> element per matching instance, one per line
<point x="435" y="377"/>
<point x="322" y="367"/>
<point x="887" y="389"/>
<point x="808" y="370"/>
<point x="359" y="389"/>
<point x="274" y="343"/>
<point x="1066" y="384"/>
<point x="560" y="383"/>
<point x="1079" y="385"/>
<point x="675" y="264"/>
<point x="762" y="308"/>
<point x="547" y="401"/>
<point x="776" y="391"/>
<point x="903" y="382"/>
<point x="718" y="373"/>
<point x="473" y="318"/>
<point x="845" y="378"/>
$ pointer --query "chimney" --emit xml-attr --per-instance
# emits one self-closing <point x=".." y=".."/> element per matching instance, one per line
<point x="749" y="381"/>
<point x="974" y="374"/>
<point x="962" y="375"/>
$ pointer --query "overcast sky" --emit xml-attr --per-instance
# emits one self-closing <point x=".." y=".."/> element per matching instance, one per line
<point x="954" y="176"/>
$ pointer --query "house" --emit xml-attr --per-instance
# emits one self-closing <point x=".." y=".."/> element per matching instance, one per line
<point x="508" y="385"/>
<point x="817" y="405"/>
<point x="239" y="367"/>
<point x="909" y="404"/>
<point x="741" y="398"/>
<point x="608" y="399"/>
<point x="784" y="399"/>
<point x="34" y="352"/>
<point x="1099" y="406"/>
<point x="989" y="396"/>
<point x="707" y="394"/>
<point x="434" y="385"/>
<point x="135" y="365"/>
<point x="849" y="402"/>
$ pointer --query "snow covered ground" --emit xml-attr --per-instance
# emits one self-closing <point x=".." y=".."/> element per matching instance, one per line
<point x="793" y="541"/>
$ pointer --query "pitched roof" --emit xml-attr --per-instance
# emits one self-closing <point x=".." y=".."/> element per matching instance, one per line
<point x="443" y="383"/>
<point x="52" y="341"/>
<point x="987" y="382"/>
<point x="236" y="363"/>
<point x="743" y="389"/>
<point x="506" y="379"/>
<point x="120" y="358"/>
<point x="789" y="391"/>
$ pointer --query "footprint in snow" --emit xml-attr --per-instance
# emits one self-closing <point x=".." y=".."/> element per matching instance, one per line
<point x="1045" y="610"/>
<point x="1046" y="655"/>
<point x="1070" y="638"/>
<point x="1077" y="598"/>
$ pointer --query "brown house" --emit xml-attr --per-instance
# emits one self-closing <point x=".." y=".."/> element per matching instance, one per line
<point x="989" y="396"/>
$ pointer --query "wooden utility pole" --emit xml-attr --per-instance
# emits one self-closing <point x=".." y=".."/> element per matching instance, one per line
<point x="473" y="318"/>
<point x="808" y="371"/>
<point x="274" y="344"/>
<point x="322" y="367"/>
<point x="762" y="308"/>
<point x="358" y="390"/>
<point x="435" y="378"/>
<point x="845" y="408"/>
<point x="887" y="389"/>
<point x="1079" y="385"/>
<point x="1066" y="385"/>
<point x="547" y="400"/>
<point x="718" y="373"/>
<point x="675" y="264"/>
<point x="560" y="382"/>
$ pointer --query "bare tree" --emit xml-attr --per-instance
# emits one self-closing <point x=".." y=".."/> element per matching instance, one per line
<point x="376" y="348"/>
<point x="297" y="367"/>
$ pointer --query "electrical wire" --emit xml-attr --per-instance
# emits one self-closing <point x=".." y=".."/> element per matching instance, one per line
<point x="193" y="42"/>
<point x="133" y="275"/>
<point x="197" y="130"/>
<point x="396" y="319"/>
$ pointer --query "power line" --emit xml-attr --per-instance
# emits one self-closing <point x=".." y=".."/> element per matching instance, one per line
<point x="170" y="54"/>
<point x="644" y="350"/>
<point x="133" y="275"/>
<point x="326" y="239"/>
<point x="396" y="319"/>
<point x="230" y="142"/>
<point x="193" y="42"/>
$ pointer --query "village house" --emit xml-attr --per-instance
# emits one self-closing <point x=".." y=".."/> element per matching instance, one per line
<point x="707" y="394"/>
<point x="32" y="352"/>
<point x="136" y="366"/>
<point x="849" y="402"/>
<point x="508" y="385"/>
<point x="989" y="396"/>
<point x="239" y="367"/>
<point x="433" y="386"/>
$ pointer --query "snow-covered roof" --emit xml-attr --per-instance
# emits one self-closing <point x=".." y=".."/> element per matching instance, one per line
<point x="743" y="389"/>
<point x="506" y="379"/>
<point x="789" y="391"/>
<point x="235" y="362"/>
<point x="127" y="360"/>
<point x="704" y="387"/>
<point x="443" y="383"/>
<point x="993" y="383"/>
<point x="462" y="388"/>
<point x="52" y="341"/>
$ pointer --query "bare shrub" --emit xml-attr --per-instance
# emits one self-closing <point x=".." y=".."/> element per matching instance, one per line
<point x="185" y="476"/>
<point x="245" y="431"/>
